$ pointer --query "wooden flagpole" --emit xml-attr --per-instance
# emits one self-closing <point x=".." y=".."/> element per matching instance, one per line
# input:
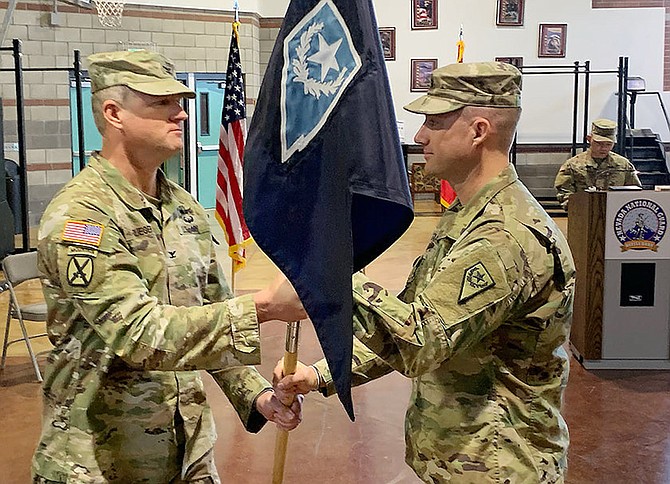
<point x="232" y="280"/>
<point x="290" y="364"/>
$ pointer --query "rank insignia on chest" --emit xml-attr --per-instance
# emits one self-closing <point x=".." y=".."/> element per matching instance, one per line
<point x="85" y="233"/>
<point x="476" y="279"/>
<point x="80" y="270"/>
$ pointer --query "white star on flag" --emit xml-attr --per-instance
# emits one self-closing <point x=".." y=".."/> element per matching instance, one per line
<point x="325" y="56"/>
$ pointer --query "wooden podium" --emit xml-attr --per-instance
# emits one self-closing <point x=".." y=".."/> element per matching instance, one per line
<point x="586" y="237"/>
<point x="621" y="246"/>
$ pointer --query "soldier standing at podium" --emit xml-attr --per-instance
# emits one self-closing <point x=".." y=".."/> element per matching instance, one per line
<point x="596" y="167"/>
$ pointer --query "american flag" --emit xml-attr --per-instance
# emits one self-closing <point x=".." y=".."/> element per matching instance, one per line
<point x="231" y="154"/>
<point x="82" y="232"/>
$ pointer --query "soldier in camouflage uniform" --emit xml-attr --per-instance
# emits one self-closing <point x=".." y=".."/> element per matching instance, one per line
<point x="137" y="302"/>
<point x="482" y="321"/>
<point x="597" y="167"/>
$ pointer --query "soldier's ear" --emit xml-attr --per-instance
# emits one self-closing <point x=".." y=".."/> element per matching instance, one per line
<point x="588" y="138"/>
<point x="481" y="130"/>
<point x="111" y="110"/>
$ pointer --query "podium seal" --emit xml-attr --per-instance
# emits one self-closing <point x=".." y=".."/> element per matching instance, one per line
<point x="640" y="225"/>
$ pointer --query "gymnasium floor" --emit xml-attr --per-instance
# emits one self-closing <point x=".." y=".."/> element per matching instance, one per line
<point x="618" y="421"/>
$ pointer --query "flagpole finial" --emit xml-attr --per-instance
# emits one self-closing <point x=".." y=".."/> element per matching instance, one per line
<point x="236" y="21"/>
<point x="460" y="46"/>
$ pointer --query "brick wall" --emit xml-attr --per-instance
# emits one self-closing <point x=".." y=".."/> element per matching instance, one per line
<point x="196" y="40"/>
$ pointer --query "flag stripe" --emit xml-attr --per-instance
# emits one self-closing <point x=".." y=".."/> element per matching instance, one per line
<point x="230" y="172"/>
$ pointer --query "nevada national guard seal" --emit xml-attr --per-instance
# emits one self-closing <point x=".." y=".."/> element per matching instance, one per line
<point x="640" y="225"/>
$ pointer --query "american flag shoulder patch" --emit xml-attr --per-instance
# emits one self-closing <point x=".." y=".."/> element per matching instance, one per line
<point x="86" y="233"/>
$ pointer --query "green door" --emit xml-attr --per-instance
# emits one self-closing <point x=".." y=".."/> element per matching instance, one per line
<point x="209" y="104"/>
<point x="92" y="138"/>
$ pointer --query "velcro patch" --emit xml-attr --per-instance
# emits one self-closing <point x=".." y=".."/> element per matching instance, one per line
<point x="476" y="279"/>
<point x="80" y="271"/>
<point x="82" y="233"/>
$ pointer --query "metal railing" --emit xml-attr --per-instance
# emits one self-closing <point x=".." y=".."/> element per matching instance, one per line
<point x="18" y="70"/>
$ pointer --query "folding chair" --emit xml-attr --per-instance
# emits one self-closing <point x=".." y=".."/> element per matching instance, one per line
<point x="19" y="268"/>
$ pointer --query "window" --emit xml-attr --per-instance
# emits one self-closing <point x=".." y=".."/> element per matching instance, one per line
<point x="204" y="114"/>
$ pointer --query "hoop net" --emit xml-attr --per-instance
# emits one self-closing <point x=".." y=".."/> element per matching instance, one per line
<point x="110" y="12"/>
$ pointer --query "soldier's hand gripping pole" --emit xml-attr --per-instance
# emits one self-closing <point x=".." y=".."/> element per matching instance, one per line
<point x="290" y="363"/>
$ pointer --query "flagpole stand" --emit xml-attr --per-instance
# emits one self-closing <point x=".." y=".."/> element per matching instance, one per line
<point x="290" y="364"/>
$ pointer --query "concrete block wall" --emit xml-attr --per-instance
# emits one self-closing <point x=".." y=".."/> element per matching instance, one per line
<point x="196" y="40"/>
<point x="268" y="35"/>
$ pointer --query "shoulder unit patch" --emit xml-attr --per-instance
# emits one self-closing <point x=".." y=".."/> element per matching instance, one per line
<point x="476" y="279"/>
<point x="80" y="271"/>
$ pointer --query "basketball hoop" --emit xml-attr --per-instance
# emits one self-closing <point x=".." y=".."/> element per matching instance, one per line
<point x="110" y="12"/>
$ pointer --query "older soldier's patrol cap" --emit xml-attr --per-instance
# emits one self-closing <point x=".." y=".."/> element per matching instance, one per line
<point x="141" y="70"/>
<point x="603" y="130"/>
<point x="486" y="84"/>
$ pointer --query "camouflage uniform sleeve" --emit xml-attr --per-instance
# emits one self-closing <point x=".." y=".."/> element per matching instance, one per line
<point x="114" y="299"/>
<point x="217" y="288"/>
<point x="365" y="367"/>
<point x="467" y="298"/>
<point x="242" y="385"/>
<point x="564" y="184"/>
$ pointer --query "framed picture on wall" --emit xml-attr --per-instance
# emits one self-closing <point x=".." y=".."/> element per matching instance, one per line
<point x="552" y="39"/>
<point x="510" y="12"/>
<point x="424" y="14"/>
<point x="387" y="36"/>
<point x="515" y="61"/>
<point x="420" y="75"/>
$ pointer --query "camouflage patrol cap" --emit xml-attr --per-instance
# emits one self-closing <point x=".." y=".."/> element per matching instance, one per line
<point x="603" y="130"/>
<point x="487" y="84"/>
<point x="141" y="70"/>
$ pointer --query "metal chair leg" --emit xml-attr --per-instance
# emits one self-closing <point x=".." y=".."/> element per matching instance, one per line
<point x="30" y="349"/>
<point x="5" y="342"/>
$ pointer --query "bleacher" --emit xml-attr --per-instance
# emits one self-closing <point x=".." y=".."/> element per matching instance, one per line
<point x="646" y="151"/>
<point x="539" y="178"/>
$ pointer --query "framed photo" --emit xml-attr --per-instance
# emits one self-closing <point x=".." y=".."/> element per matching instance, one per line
<point x="424" y="14"/>
<point x="515" y="61"/>
<point x="510" y="12"/>
<point x="387" y="36"/>
<point x="552" y="40"/>
<point x="421" y="71"/>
